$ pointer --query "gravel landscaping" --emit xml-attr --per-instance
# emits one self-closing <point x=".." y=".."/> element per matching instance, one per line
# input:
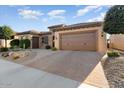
<point x="114" y="70"/>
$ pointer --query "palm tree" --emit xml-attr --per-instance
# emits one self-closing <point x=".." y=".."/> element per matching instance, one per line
<point x="6" y="33"/>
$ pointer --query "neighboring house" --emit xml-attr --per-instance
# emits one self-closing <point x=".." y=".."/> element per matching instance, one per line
<point x="82" y="36"/>
<point x="117" y="41"/>
<point x="32" y="35"/>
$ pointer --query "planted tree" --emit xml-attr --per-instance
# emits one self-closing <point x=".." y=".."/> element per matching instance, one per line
<point x="25" y="43"/>
<point x="14" y="42"/>
<point x="114" y="24"/>
<point x="114" y="20"/>
<point x="6" y="33"/>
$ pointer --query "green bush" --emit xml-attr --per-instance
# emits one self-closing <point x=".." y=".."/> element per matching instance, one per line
<point x="114" y="20"/>
<point x="4" y="49"/>
<point x="54" y="49"/>
<point x="24" y="43"/>
<point x="47" y="47"/>
<point x="15" y="48"/>
<point x="113" y="54"/>
<point x="14" y="43"/>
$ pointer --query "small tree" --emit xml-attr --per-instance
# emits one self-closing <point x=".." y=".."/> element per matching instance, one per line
<point x="114" y="20"/>
<point x="24" y="43"/>
<point x="14" y="42"/>
<point x="6" y="32"/>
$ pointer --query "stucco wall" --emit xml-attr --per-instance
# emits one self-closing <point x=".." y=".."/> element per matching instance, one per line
<point x="26" y="36"/>
<point x="42" y="45"/>
<point x="102" y="42"/>
<point x="57" y="40"/>
<point x="117" y="41"/>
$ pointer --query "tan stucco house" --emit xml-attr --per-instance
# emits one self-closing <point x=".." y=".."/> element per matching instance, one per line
<point x="81" y="37"/>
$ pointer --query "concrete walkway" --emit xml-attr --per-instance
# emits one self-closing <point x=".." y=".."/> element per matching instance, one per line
<point x="14" y="75"/>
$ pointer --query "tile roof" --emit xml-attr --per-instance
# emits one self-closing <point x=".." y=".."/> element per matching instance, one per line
<point x="32" y="32"/>
<point x="46" y="33"/>
<point x="73" y="26"/>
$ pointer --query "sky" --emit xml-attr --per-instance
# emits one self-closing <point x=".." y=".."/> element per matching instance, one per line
<point x="39" y="17"/>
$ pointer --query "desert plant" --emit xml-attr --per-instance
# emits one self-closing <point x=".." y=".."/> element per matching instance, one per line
<point x="113" y="54"/>
<point x="24" y="43"/>
<point x="54" y="49"/>
<point x="47" y="47"/>
<point x="14" y="43"/>
<point x="5" y="54"/>
<point x="4" y="49"/>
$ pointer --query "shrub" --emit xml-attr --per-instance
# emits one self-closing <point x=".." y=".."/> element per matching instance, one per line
<point x="113" y="54"/>
<point x="24" y="43"/>
<point x="4" y="49"/>
<point x="14" y="43"/>
<point x="47" y="47"/>
<point x="54" y="49"/>
<point x="15" y="48"/>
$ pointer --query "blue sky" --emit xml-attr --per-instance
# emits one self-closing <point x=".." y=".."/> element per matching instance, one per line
<point x="34" y="17"/>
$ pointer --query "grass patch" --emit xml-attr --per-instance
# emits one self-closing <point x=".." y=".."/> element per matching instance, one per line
<point x="113" y="54"/>
<point x="4" y="49"/>
<point x="54" y="49"/>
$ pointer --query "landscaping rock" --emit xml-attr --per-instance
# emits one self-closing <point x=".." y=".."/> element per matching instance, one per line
<point x="16" y="54"/>
<point x="5" y="54"/>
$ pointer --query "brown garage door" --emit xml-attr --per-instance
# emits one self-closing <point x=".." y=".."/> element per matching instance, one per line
<point x="82" y="41"/>
<point x="35" y="42"/>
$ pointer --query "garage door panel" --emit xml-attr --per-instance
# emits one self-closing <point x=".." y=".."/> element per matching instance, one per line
<point x="85" y="41"/>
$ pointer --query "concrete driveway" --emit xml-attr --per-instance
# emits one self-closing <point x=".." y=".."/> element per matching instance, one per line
<point x="58" y="69"/>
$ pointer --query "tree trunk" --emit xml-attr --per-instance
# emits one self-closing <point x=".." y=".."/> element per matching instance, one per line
<point x="5" y="43"/>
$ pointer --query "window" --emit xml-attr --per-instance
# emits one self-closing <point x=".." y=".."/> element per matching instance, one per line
<point x="45" y="39"/>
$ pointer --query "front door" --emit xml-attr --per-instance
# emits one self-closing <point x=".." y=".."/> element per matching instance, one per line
<point x="35" y="42"/>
